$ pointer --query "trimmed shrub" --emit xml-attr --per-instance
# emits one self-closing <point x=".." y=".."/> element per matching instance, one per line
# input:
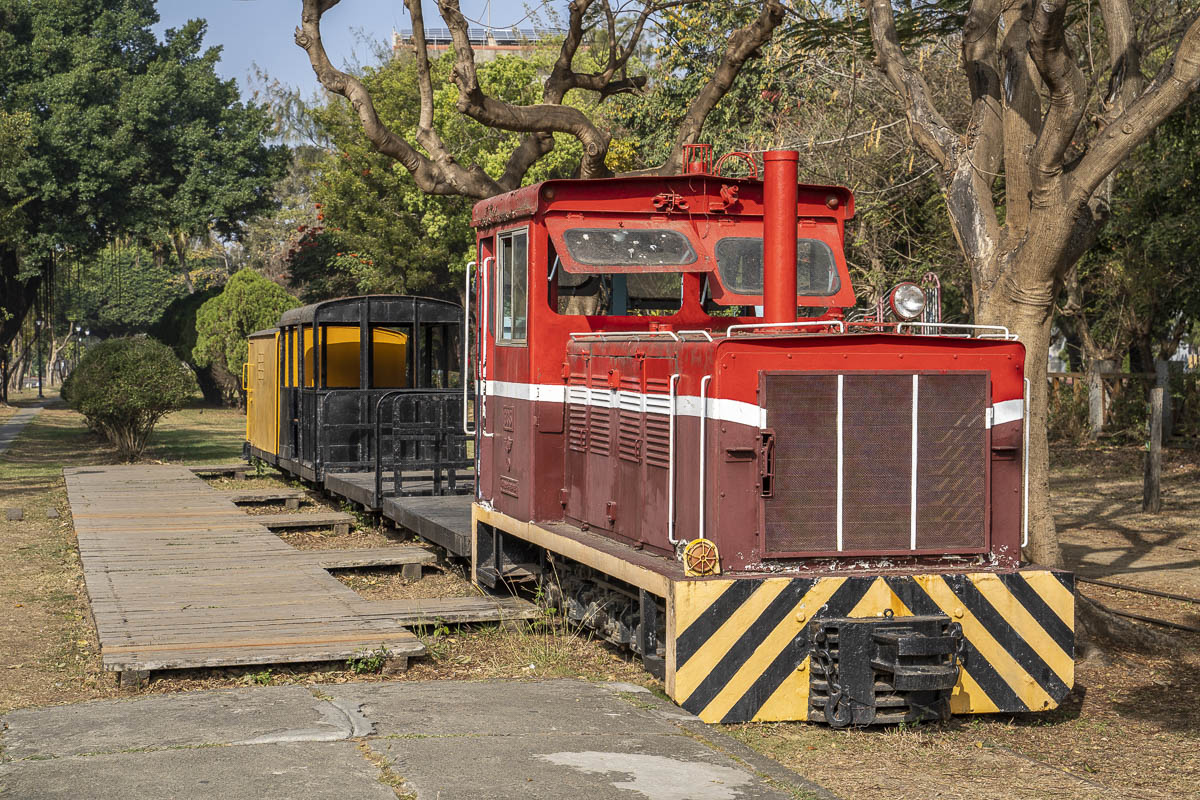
<point x="248" y="303"/>
<point x="123" y="387"/>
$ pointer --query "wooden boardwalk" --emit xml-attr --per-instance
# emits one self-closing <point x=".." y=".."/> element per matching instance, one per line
<point x="179" y="577"/>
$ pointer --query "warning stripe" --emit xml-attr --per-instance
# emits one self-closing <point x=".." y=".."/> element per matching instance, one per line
<point x="786" y="596"/>
<point x="1040" y="610"/>
<point x="1030" y="660"/>
<point x="712" y="618"/>
<point x="737" y="658"/>
<point x="746" y="708"/>
<point x="975" y="664"/>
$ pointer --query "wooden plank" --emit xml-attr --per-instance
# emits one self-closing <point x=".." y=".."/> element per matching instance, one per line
<point x="452" y="610"/>
<point x="394" y="556"/>
<point x="217" y="657"/>
<point x="265" y="496"/>
<point x="444" y="520"/>
<point x="281" y="522"/>
<point x="178" y="577"/>
<point x="241" y="468"/>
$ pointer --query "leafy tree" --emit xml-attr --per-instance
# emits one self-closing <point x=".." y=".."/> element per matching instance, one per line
<point x="207" y="146"/>
<point x="1138" y="290"/>
<point x="176" y="328"/>
<point x="1026" y="110"/>
<point x="121" y="290"/>
<point x="123" y="387"/>
<point x="375" y="230"/>
<point x="248" y="303"/>
<point x="129" y="134"/>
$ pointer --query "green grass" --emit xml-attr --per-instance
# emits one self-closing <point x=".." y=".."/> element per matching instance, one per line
<point x="58" y="437"/>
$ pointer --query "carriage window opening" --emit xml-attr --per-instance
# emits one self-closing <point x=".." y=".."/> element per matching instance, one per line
<point x="391" y="361"/>
<point x="512" y="306"/>
<point x="622" y="247"/>
<point x="634" y="294"/>
<point x="740" y="263"/>
<point x="441" y="353"/>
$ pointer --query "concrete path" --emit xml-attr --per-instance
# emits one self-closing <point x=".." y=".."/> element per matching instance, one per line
<point x="13" y="426"/>
<point x="439" y="740"/>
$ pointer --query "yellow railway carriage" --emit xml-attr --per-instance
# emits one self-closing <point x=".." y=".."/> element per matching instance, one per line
<point x="318" y="384"/>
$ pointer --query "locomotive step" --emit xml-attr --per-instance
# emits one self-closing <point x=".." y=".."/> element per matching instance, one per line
<point x="338" y="520"/>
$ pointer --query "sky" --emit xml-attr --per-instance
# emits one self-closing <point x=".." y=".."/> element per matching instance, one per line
<point x="260" y="31"/>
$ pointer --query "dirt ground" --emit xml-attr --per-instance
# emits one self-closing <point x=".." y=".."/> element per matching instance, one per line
<point x="1130" y="729"/>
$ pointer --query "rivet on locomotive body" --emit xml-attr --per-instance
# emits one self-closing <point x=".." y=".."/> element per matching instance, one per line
<point x="958" y="612"/>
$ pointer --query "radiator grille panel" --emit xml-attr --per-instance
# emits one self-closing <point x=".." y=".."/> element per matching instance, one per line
<point x="877" y="470"/>
<point x="802" y="515"/>
<point x="877" y="498"/>
<point x="951" y="499"/>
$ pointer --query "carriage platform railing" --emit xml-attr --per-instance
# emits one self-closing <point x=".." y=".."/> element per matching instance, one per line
<point x="421" y="443"/>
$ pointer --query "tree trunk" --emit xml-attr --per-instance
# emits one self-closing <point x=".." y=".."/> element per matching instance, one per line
<point x="1031" y="324"/>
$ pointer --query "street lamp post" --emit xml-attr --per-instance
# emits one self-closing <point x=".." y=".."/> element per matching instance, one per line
<point x="41" y="364"/>
<point x="78" y="328"/>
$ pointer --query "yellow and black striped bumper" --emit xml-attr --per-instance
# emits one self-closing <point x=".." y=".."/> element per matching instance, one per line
<point x="741" y="647"/>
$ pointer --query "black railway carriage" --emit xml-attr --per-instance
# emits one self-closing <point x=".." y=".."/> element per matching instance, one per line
<point x="368" y="386"/>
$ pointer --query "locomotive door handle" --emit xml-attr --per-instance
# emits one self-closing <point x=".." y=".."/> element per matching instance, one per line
<point x="767" y="465"/>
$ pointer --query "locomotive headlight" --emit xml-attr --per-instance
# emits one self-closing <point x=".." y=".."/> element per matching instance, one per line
<point x="907" y="301"/>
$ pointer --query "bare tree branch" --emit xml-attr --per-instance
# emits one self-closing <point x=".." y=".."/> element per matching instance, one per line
<point x="970" y="188"/>
<point x="929" y="128"/>
<point x="1125" y="81"/>
<point x="543" y="117"/>
<point x="444" y="176"/>
<point x="1174" y="84"/>
<point x="743" y="44"/>
<point x="1068" y="98"/>
<point x="1022" y="118"/>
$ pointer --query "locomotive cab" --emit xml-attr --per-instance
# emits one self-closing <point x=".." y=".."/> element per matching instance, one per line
<point x="678" y="427"/>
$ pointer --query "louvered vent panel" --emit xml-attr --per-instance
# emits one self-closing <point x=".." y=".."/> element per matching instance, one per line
<point x="577" y="412"/>
<point x="629" y="420"/>
<point x="600" y="416"/>
<point x="657" y="444"/>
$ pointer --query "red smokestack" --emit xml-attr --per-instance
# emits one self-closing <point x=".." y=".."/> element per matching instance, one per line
<point x="779" y="235"/>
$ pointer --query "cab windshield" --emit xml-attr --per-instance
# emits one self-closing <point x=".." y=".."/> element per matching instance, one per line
<point x="740" y="266"/>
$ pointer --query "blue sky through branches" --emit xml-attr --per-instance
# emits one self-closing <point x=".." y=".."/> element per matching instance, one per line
<point x="260" y="31"/>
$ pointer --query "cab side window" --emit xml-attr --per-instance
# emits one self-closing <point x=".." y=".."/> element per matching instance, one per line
<point x="512" y="308"/>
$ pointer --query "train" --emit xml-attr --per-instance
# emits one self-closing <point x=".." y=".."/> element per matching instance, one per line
<point x="664" y="416"/>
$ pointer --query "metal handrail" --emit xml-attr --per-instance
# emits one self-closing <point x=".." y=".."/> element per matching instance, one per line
<point x="1001" y="331"/>
<point x="671" y="466"/>
<point x="481" y="389"/>
<point x="466" y="350"/>
<point x="703" y="450"/>
<point x="1025" y="470"/>
<point x="379" y="443"/>
<point x="606" y="335"/>
<point x="841" y="326"/>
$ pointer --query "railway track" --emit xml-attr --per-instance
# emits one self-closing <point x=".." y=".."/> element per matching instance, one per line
<point x="1151" y="592"/>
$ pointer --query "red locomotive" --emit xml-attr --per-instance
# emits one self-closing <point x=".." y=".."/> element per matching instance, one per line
<point x="788" y="516"/>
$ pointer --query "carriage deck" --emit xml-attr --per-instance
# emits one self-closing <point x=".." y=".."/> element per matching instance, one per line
<point x="179" y="577"/>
